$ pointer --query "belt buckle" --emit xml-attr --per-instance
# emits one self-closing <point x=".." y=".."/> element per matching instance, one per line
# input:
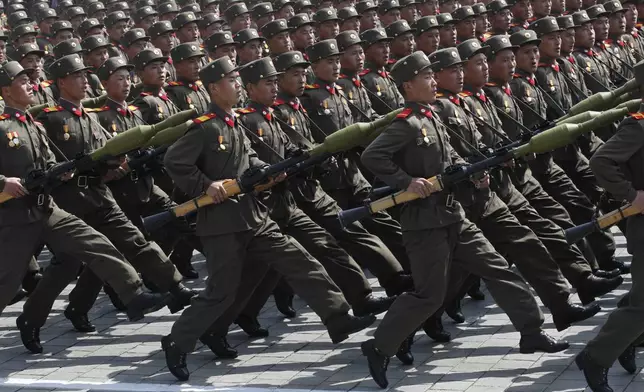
<point x="450" y="200"/>
<point x="82" y="182"/>
<point x="41" y="200"/>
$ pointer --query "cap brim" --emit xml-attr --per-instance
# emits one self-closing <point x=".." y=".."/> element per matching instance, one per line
<point x="160" y="58"/>
<point x="298" y="64"/>
<point x="369" y="43"/>
<point x="437" y="63"/>
<point x="361" y="42"/>
<point x="39" y="52"/>
<point x="532" y="41"/>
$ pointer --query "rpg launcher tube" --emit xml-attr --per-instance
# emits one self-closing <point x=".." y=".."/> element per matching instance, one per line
<point x="169" y="135"/>
<point x="577" y="233"/>
<point x="601" y="101"/>
<point x="96" y="102"/>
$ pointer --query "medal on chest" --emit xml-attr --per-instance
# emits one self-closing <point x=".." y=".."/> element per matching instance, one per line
<point x="160" y="110"/>
<point x="424" y="139"/>
<point x="551" y="83"/>
<point x="326" y="107"/>
<point x="260" y="134"/>
<point x="220" y="139"/>
<point x="378" y="92"/>
<point x="66" y="134"/>
<point x="14" y="141"/>
<point x="114" y="132"/>
<point x="293" y="122"/>
<point x="189" y="102"/>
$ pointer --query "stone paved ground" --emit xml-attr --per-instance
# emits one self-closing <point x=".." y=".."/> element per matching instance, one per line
<point x="124" y="356"/>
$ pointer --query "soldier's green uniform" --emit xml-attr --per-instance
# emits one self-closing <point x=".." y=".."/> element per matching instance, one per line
<point x="437" y="235"/>
<point x="188" y="94"/>
<point x="601" y="49"/>
<point x="111" y="19"/>
<point x="41" y="89"/>
<point x="382" y="90"/>
<point x="224" y="38"/>
<point x="238" y="233"/>
<point x="351" y="83"/>
<point x="42" y="39"/>
<point x="328" y="111"/>
<point x="622" y="54"/>
<point x="159" y="28"/>
<point x="89" y="44"/>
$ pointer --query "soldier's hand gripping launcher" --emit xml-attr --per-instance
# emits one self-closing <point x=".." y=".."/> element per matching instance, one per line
<point x="258" y="179"/>
<point x="548" y="140"/>
<point x="130" y="140"/>
<point x="577" y="233"/>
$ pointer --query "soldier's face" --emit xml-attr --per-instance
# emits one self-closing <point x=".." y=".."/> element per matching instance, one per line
<point x="136" y="47"/>
<point x="45" y="25"/>
<point x="116" y="32"/>
<point x="264" y="92"/>
<point x="73" y="86"/>
<point x="280" y="43"/>
<point x="188" y="68"/>
<point x="451" y="79"/>
<point x="188" y="33"/>
<point x="26" y="39"/>
<point x="630" y="15"/>
<point x="585" y="36"/>
<point x="450" y="6"/>
<point x="32" y="61"/>
<point x="551" y="45"/>
<point x="409" y="13"/>
<point x="503" y="66"/>
<point x="251" y="51"/>
<point x="3" y="51"/>
<point x="118" y="85"/>
<point x="573" y="5"/>
<point x="601" y="28"/>
<point x="154" y="74"/>
<point x="378" y="53"/>
<point x="541" y="8"/>
<point x="476" y="70"/>
<point x="227" y="50"/>
<point x="429" y="8"/>
<point x="428" y="41"/>
<point x="96" y="31"/>
<point x="328" y="29"/>
<point x="97" y="57"/>
<point x="19" y="93"/>
<point x="351" y="24"/>
<point x="369" y="20"/>
<point x="240" y="22"/>
<point x="327" y="69"/>
<point x="303" y="37"/>
<point x="147" y="22"/>
<point x="558" y="6"/>
<point x="522" y="10"/>
<point x="617" y="23"/>
<point x="466" y="29"/>
<point x="353" y="58"/>
<point x="226" y="92"/>
<point x="421" y="88"/>
<point x="286" y="12"/>
<point x="528" y="58"/>
<point x="501" y="20"/>
<point x="448" y="35"/>
<point x="403" y="45"/>
<point x="390" y="17"/>
<point x="293" y="81"/>
<point x="62" y="36"/>
<point x="481" y="24"/>
<point x="567" y="41"/>
<point x="164" y="42"/>
<point x="212" y="29"/>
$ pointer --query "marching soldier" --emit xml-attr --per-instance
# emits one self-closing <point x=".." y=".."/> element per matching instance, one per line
<point x="349" y="19"/>
<point x="596" y="74"/>
<point x="447" y="30"/>
<point x="465" y="23"/>
<point x="617" y="45"/>
<point x="302" y="31"/>
<point x="601" y="25"/>
<point x="480" y="19"/>
<point x="45" y="20"/>
<point x="249" y="45"/>
<point x="134" y="41"/>
<point x="388" y="12"/>
<point x="402" y="43"/>
<point x="162" y="38"/>
<point x="96" y="50"/>
<point x="415" y="147"/>
<point x="262" y="13"/>
<point x="210" y="24"/>
<point x="116" y="24"/>
<point x="188" y="92"/>
<point x="30" y="57"/>
<point x="368" y="11"/>
<point x="636" y="34"/>
<point x="91" y="26"/>
<point x="427" y="34"/>
<point x="500" y="18"/>
<point x="521" y="14"/>
<point x="381" y="89"/>
<point x="326" y="23"/>
<point x="239" y="238"/>
<point x="277" y="37"/>
<point x="238" y="17"/>
<point x="352" y="62"/>
<point x="144" y="18"/>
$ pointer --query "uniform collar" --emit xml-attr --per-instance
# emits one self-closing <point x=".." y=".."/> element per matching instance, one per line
<point x="352" y="75"/>
<point x="194" y="85"/>
<point x="420" y="108"/>
<point x="331" y="87"/>
<point x="228" y="118"/>
<point x="262" y="109"/>
<point x="17" y="114"/>
<point x="380" y="70"/>
<point x="292" y="101"/>
<point x="449" y="95"/>
<point x="156" y="91"/>
<point x="118" y="107"/>
<point x="478" y="93"/>
<point x="71" y="107"/>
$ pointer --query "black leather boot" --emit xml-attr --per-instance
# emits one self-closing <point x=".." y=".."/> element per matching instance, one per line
<point x="378" y="363"/>
<point x="30" y="335"/>
<point x="570" y="313"/>
<point x="627" y="360"/>
<point x="594" y="286"/>
<point x="433" y="328"/>
<point x="541" y="341"/>
<point x="404" y="353"/>
<point x="180" y="297"/>
<point x="175" y="359"/>
<point x="251" y="326"/>
<point x="596" y="375"/>
<point x="373" y="305"/>
<point x="80" y="321"/>
<point x="342" y="326"/>
<point x="219" y="346"/>
<point x="145" y="303"/>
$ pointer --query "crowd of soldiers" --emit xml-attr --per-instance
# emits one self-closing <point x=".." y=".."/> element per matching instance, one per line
<point x="268" y="81"/>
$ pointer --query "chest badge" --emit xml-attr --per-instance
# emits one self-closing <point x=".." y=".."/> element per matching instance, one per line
<point x="66" y="134"/>
<point x="260" y="133"/>
<point x="378" y="92"/>
<point x="326" y="107"/>
<point x="114" y="132"/>
<point x="220" y="139"/>
<point x="14" y="141"/>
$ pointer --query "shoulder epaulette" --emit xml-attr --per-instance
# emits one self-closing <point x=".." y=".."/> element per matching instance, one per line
<point x="175" y="83"/>
<point x="204" y="118"/>
<point x="132" y="107"/>
<point x="439" y="95"/>
<point x="199" y="83"/>
<point x="279" y="102"/>
<point x="145" y="94"/>
<point x="391" y="61"/>
<point x="312" y="86"/>
<point x="339" y="87"/>
<point x="405" y="113"/>
<point x="364" y="72"/>
<point x="47" y="83"/>
<point x="638" y="116"/>
<point x="52" y="109"/>
<point x="246" y="110"/>
<point x="465" y="94"/>
<point x="5" y="116"/>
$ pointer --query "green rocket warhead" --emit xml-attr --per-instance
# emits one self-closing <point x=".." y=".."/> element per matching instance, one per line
<point x="354" y="135"/>
<point x="564" y="134"/>
<point x="136" y="137"/>
<point x="603" y="100"/>
<point x="169" y="135"/>
<point x="36" y="109"/>
<point x="96" y="102"/>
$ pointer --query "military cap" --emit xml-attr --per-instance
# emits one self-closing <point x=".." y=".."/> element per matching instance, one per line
<point x="133" y="35"/>
<point x="185" y="51"/>
<point x="38" y="8"/>
<point x="167" y="8"/>
<point x="638" y="70"/>
<point x="75" y="11"/>
<point x="624" y="2"/>
<point x="9" y="71"/>
<point x="87" y="25"/>
<point x="545" y="26"/>
<point x="11" y="8"/>
<point x="94" y="42"/>
<point x="398" y="28"/>
<point x="279" y="4"/>
<point x="66" y="66"/>
<point x="405" y="3"/>
<point x="95" y="7"/>
<point x="463" y="13"/>
<point x="479" y="9"/>
<point x="301" y="5"/>
<point x="195" y="8"/>
<point x="614" y="6"/>
<point x="18" y="18"/>
<point x="67" y="47"/>
<point x="143" y="13"/>
<point x="183" y="19"/>
<point x="46" y="13"/>
<point x="425" y="23"/>
<point x="565" y="22"/>
<point x="287" y="60"/>
<point x="471" y="47"/>
<point x="225" y="4"/>
<point x="257" y="70"/>
<point x="235" y="10"/>
<point x="325" y="15"/>
<point x="261" y="10"/>
<point x="366" y="5"/>
<point x="444" y="19"/>
<point x="114" y="17"/>
<point x="144" y="3"/>
<point x="348" y="13"/>
<point x="348" y="38"/>
<point x="273" y="28"/>
<point x="580" y="18"/>
<point x="216" y="70"/>
<point x="372" y="36"/>
<point x="119" y="6"/>
<point x="322" y="49"/>
<point x="22" y="30"/>
<point x="61" y="25"/>
<point x="408" y="67"/>
<point x="388" y="5"/>
<point x="64" y="4"/>
<point x="524" y="37"/>
<point x="147" y="56"/>
<point x="206" y="3"/>
<point x="299" y="20"/>
<point x="497" y="5"/>
<point x="159" y="28"/>
<point x="597" y="11"/>
<point x="242" y="37"/>
<point x="445" y="58"/>
<point x="497" y="43"/>
<point x="209" y="19"/>
<point x="26" y="49"/>
<point x="112" y="65"/>
<point x="219" y="39"/>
